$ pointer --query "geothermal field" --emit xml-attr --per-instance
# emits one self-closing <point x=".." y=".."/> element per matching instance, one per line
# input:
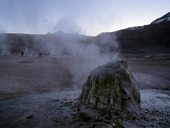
<point x="79" y="64"/>
<point x="41" y="92"/>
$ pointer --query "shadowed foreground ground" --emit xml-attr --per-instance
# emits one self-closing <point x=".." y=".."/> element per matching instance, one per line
<point x="27" y="101"/>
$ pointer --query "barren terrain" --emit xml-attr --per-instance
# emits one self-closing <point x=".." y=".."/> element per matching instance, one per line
<point x="41" y="92"/>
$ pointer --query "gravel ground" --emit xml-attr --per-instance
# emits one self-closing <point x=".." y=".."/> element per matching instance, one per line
<point x="59" y="109"/>
<point x="24" y="104"/>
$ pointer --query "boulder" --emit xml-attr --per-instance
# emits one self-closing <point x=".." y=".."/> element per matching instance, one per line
<point x="111" y="87"/>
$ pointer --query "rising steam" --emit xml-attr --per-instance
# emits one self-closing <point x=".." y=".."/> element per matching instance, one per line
<point x="79" y="53"/>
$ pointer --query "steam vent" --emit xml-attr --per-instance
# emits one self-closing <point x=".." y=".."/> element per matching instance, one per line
<point x="111" y="87"/>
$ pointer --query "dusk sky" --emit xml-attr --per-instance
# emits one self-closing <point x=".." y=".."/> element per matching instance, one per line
<point x="88" y="17"/>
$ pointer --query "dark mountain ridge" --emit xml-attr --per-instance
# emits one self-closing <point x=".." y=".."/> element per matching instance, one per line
<point x="164" y="18"/>
<point x="153" y="38"/>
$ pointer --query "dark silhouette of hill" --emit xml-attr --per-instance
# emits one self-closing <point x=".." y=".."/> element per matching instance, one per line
<point x="153" y="38"/>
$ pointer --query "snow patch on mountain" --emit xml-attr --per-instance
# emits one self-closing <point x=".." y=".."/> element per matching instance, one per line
<point x="164" y="18"/>
<point x="135" y="28"/>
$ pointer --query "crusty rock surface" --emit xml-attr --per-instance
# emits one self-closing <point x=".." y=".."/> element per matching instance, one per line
<point x="111" y="87"/>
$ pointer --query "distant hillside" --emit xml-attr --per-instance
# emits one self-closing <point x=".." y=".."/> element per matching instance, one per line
<point x="152" y="38"/>
<point x="37" y="44"/>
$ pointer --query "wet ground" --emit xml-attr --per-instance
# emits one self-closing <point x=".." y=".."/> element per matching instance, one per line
<point x="26" y="100"/>
<point x="24" y="75"/>
<point x="151" y="73"/>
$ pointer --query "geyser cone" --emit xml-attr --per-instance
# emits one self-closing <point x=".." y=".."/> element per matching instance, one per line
<point x="111" y="87"/>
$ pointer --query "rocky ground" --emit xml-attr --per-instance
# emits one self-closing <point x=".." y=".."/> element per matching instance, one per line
<point x="24" y="104"/>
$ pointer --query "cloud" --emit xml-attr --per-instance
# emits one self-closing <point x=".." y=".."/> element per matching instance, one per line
<point x="2" y="30"/>
<point x="67" y="26"/>
<point x="41" y="16"/>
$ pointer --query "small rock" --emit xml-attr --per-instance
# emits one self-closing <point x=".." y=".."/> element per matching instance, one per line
<point x="30" y="116"/>
<point x="86" y="114"/>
